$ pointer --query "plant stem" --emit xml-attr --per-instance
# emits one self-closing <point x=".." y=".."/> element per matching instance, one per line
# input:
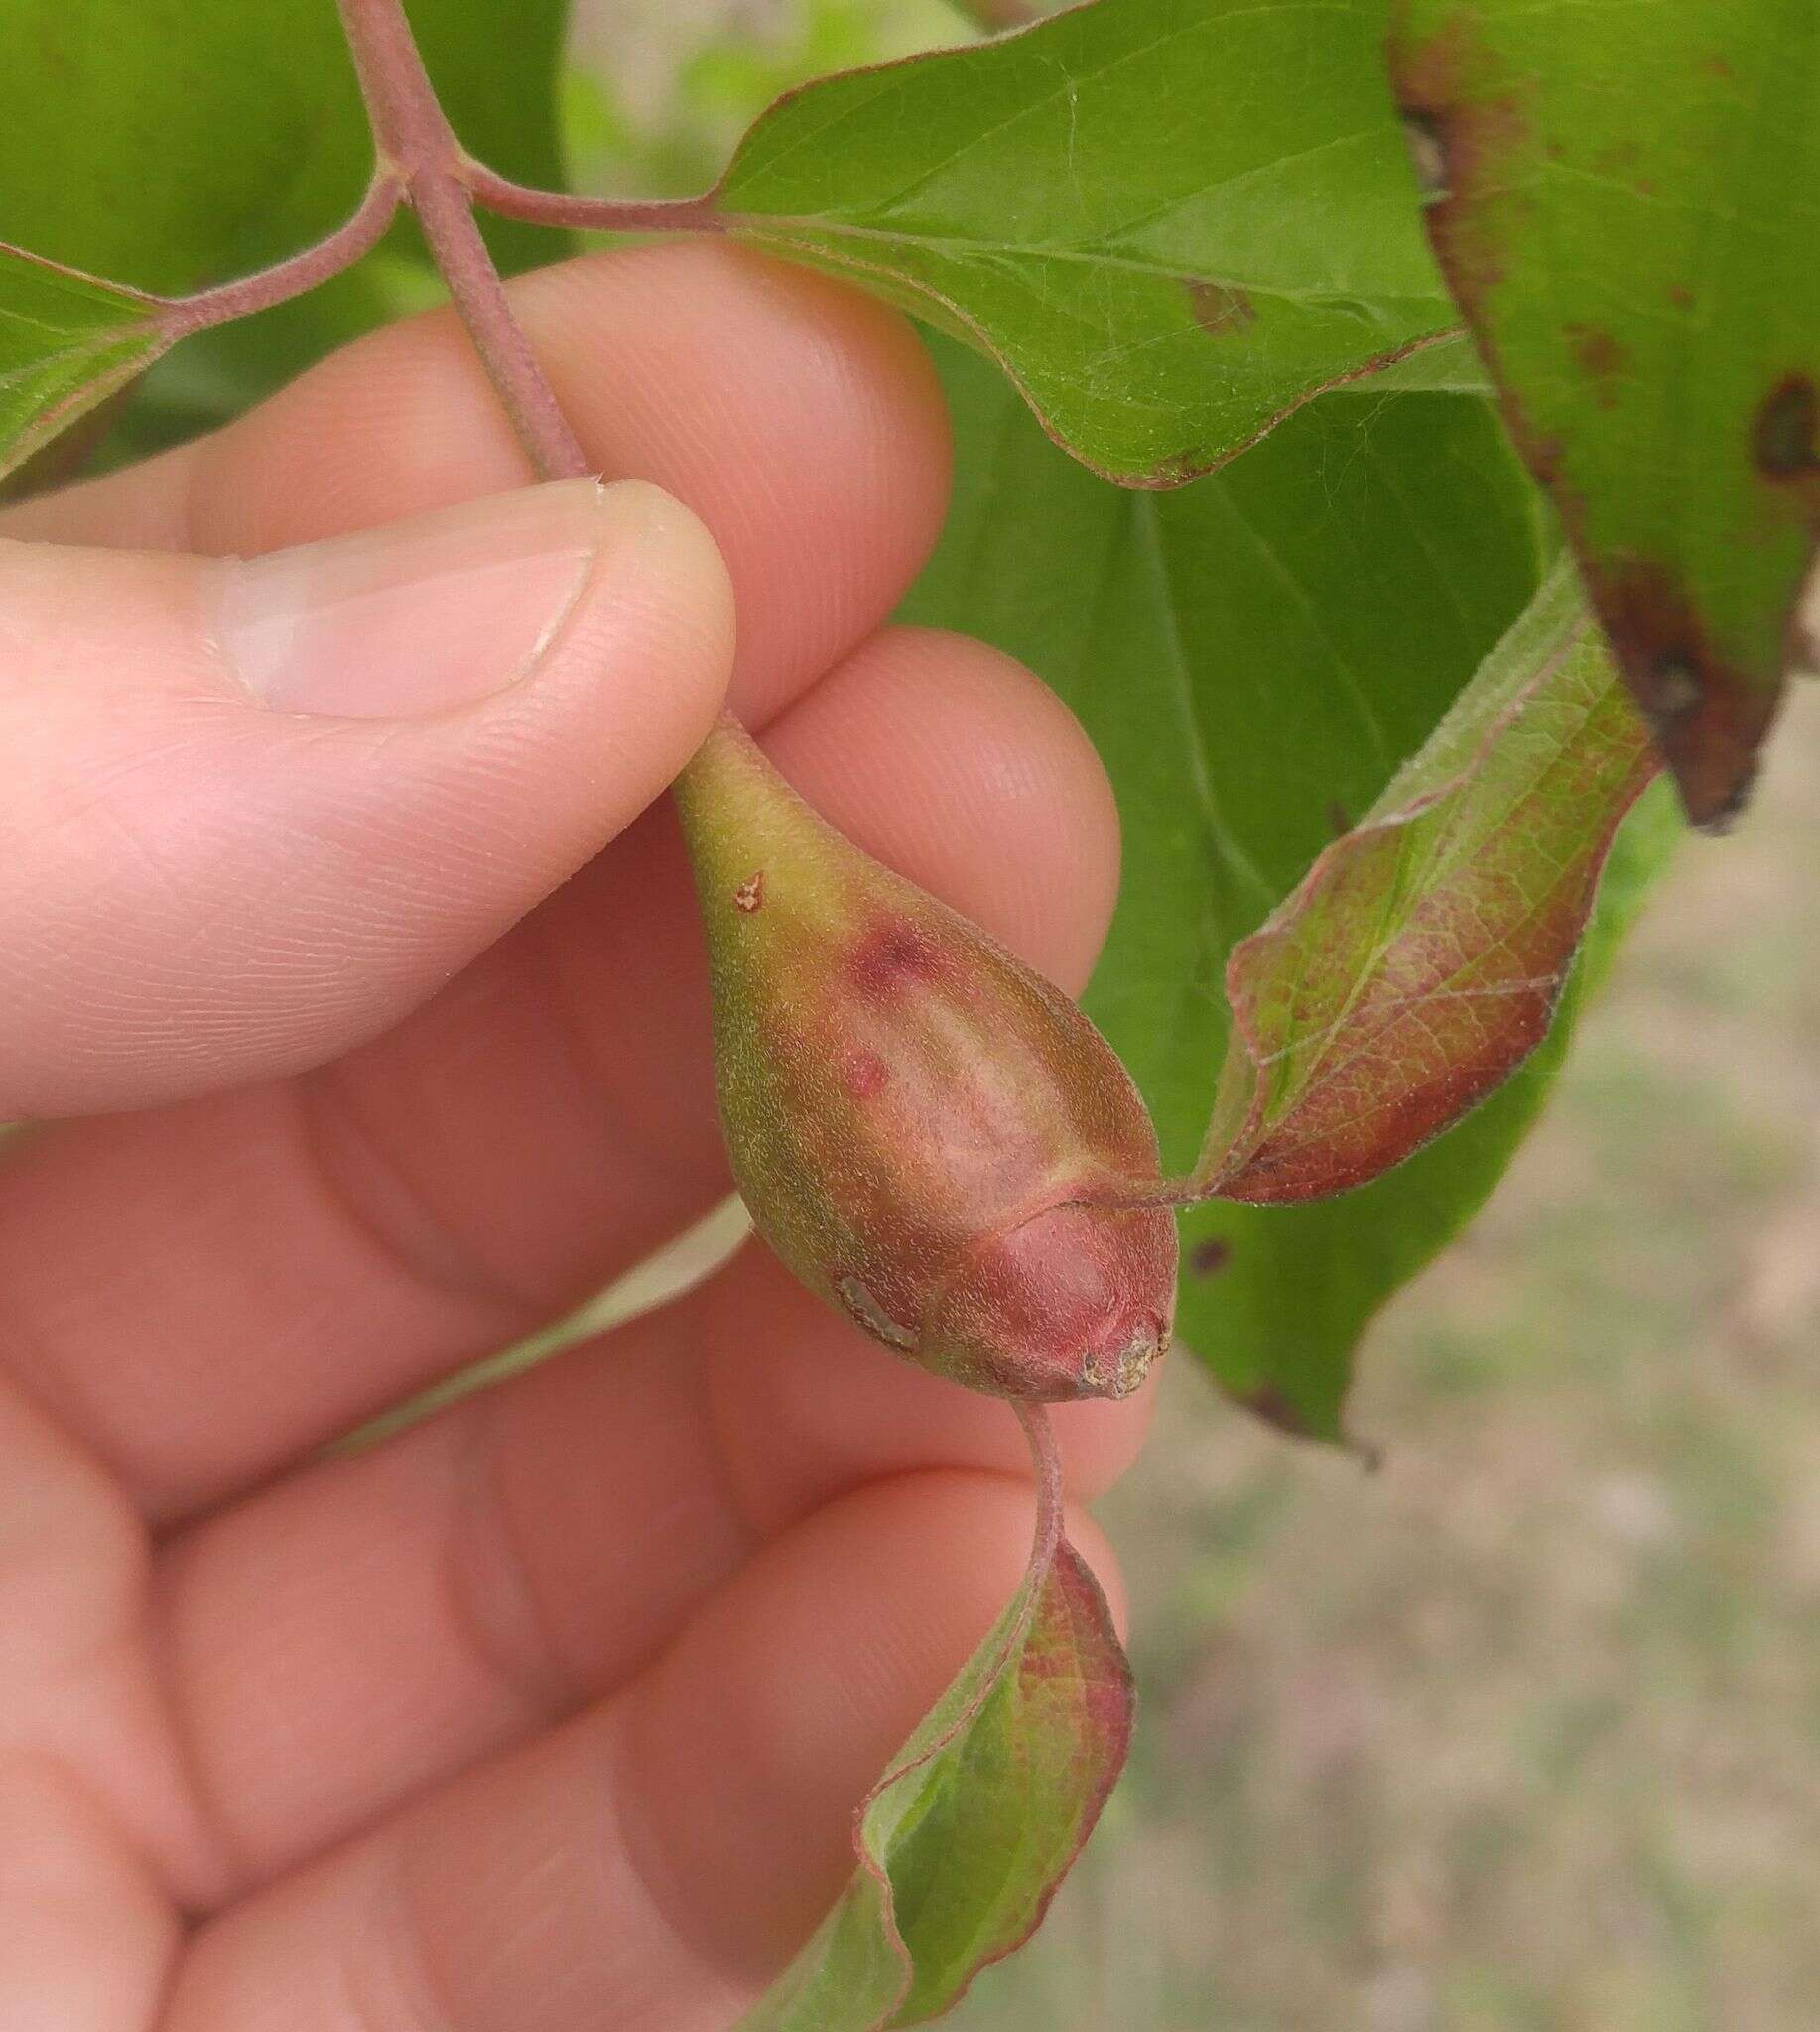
<point x="419" y="148"/>
<point x="593" y="215"/>
<point x="1046" y="1459"/>
<point x="447" y="214"/>
<point x="178" y="316"/>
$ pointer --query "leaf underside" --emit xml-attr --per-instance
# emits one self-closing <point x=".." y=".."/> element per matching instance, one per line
<point x="1628" y="205"/>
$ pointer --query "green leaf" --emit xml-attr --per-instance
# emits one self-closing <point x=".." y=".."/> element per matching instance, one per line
<point x="1421" y="959"/>
<point x="1171" y="221"/>
<point x="215" y="135"/>
<point x="978" y="1818"/>
<point x="67" y="343"/>
<point x="1254" y="657"/>
<point x="1629" y="198"/>
<point x="219" y="135"/>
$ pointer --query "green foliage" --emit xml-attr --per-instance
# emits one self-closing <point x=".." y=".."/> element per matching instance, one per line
<point x="1254" y="657"/>
<point x="1629" y="198"/>
<point x="1179" y="230"/>
<point x="1422" y="959"/>
<point x="977" y="1819"/>
<point x="1163" y="251"/>
<point x="217" y="136"/>
<point x="66" y="343"/>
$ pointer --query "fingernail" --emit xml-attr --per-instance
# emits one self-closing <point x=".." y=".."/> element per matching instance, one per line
<point x="413" y="620"/>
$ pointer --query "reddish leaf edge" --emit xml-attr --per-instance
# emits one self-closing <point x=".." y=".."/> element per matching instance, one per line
<point x="1710" y="716"/>
<point x="1180" y="470"/>
<point x="1232" y="1173"/>
<point x="709" y="213"/>
<point x="1052" y="1557"/>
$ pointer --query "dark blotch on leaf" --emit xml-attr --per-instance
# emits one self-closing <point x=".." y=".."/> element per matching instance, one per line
<point x="1475" y="132"/>
<point x="1706" y="716"/>
<point x="1273" y="1404"/>
<point x="1208" y="1257"/>
<point x="1787" y="426"/>
<point x="1602" y="358"/>
<point x="1220" y="311"/>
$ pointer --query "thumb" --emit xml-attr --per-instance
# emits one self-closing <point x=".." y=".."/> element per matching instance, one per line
<point x="256" y="810"/>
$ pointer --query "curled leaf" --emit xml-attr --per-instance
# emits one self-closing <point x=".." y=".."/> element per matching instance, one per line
<point x="1420" y="960"/>
<point x="975" y="1822"/>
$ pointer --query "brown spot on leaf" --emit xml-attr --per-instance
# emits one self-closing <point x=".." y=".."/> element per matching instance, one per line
<point x="1206" y="1258"/>
<point x="1708" y="718"/>
<point x="1787" y="426"/>
<point x="1604" y="358"/>
<point x="1339" y="820"/>
<point x="1220" y="310"/>
<point x="1680" y="296"/>
<point x="1448" y="87"/>
<point x="750" y="894"/>
<point x="1273" y="1404"/>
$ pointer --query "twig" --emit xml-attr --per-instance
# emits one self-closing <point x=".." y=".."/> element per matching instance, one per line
<point x="178" y="316"/>
<point x="591" y="214"/>
<point x="418" y="146"/>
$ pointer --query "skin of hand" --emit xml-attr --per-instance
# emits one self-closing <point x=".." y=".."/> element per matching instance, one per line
<point x="351" y="979"/>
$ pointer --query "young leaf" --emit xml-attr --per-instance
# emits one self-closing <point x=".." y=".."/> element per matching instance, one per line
<point x="1421" y="959"/>
<point x="978" y="1818"/>
<point x="1253" y="656"/>
<point x="1636" y="263"/>
<point x="1171" y="221"/>
<point x="67" y="343"/>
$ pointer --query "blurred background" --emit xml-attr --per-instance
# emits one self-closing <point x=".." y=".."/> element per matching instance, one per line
<point x="1519" y="1733"/>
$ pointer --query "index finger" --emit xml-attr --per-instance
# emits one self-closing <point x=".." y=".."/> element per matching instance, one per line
<point x="819" y="400"/>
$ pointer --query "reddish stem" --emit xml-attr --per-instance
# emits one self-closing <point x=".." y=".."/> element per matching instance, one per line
<point x="591" y="214"/>
<point x="417" y="145"/>
<point x="1046" y="1458"/>
<point x="181" y="316"/>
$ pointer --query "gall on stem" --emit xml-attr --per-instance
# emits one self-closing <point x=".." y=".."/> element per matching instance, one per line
<point x="934" y="1138"/>
<point x="929" y="1134"/>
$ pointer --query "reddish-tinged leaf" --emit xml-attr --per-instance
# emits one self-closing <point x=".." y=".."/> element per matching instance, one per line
<point x="975" y="1822"/>
<point x="1420" y="960"/>
<point x="1626" y="200"/>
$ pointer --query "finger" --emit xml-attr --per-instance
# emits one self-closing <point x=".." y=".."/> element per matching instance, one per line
<point x="798" y="419"/>
<point x="649" y="1865"/>
<point x="376" y="1625"/>
<point x="282" y="1264"/>
<point x="256" y="812"/>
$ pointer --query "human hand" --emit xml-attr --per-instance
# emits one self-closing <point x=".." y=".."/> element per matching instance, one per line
<point x="550" y="1712"/>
